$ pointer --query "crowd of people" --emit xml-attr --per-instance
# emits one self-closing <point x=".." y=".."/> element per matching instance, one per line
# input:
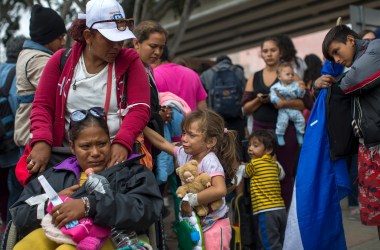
<point x="115" y="94"/>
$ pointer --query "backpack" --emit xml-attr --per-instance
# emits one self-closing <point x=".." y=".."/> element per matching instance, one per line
<point x="7" y="117"/>
<point x="226" y="92"/>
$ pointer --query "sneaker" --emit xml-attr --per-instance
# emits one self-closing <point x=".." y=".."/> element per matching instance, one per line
<point x="354" y="214"/>
<point x="299" y="138"/>
<point x="166" y="201"/>
<point x="281" y="140"/>
<point x="165" y="212"/>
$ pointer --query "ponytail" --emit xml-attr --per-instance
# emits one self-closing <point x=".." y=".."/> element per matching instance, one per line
<point x="228" y="156"/>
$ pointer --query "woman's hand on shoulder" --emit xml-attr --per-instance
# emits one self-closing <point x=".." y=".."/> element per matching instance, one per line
<point x="324" y="81"/>
<point x="119" y="153"/>
<point x="67" y="212"/>
<point x="38" y="157"/>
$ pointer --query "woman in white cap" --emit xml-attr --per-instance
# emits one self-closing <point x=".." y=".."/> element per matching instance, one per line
<point x="98" y="72"/>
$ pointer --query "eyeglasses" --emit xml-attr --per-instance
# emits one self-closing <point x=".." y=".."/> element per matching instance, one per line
<point x="80" y="115"/>
<point x="121" y="23"/>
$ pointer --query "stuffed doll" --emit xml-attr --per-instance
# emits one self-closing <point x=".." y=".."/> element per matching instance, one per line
<point x="192" y="182"/>
<point x="86" y="235"/>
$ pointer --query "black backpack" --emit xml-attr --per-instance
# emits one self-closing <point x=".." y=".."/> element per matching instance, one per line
<point x="7" y="117"/>
<point x="226" y="92"/>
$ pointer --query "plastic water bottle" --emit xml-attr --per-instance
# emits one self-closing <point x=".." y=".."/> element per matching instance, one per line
<point x="96" y="182"/>
<point x="121" y="238"/>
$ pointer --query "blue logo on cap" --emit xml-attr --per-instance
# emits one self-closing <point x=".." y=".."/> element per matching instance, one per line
<point x="117" y="16"/>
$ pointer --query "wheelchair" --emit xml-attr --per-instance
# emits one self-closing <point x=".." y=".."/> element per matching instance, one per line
<point x="10" y="237"/>
<point x="155" y="235"/>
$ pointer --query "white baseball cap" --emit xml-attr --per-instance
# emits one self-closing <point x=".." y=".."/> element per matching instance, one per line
<point x="104" y="10"/>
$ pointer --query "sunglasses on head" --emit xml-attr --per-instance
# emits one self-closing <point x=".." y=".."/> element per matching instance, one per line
<point x="121" y="23"/>
<point x="80" y="115"/>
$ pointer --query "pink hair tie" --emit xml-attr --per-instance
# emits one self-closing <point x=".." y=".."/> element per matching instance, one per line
<point x="225" y="130"/>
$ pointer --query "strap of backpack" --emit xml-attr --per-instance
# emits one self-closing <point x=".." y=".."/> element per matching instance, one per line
<point x="26" y="70"/>
<point x="124" y="95"/>
<point x="4" y="91"/>
<point x="211" y="87"/>
<point x="64" y="57"/>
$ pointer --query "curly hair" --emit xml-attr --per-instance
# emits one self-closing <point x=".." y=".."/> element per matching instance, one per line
<point x="212" y="126"/>
<point x="77" y="28"/>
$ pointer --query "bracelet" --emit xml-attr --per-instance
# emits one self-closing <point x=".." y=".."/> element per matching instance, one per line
<point x="86" y="204"/>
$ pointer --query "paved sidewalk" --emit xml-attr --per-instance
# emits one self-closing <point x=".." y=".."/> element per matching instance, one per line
<point x="358" y="236"/>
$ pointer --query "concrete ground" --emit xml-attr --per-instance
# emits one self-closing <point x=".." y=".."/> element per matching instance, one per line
<point x="358" y="236"/>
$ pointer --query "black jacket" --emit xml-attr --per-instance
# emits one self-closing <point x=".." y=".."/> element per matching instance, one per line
<point x="134" y="204"/>
<point x="362" y="81"/>
<point x="339" y="108"/>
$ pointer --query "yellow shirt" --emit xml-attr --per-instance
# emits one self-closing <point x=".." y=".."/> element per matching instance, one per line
<point x="82" y="178"/>
<point x="265" y="184"/>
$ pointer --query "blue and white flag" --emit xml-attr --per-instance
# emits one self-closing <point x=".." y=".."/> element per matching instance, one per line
<point x="315" y="218"/>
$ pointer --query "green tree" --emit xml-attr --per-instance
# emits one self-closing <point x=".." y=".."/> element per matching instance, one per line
<point x="12" y="10"/>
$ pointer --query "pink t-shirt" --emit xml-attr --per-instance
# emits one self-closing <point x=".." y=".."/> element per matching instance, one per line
<point x="182" y="81"/>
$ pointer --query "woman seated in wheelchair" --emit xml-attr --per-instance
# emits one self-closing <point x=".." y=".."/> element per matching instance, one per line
<point x="132" y="204"/>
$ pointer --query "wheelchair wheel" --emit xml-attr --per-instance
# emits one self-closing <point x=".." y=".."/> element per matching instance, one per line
<point x="10" y="238"/>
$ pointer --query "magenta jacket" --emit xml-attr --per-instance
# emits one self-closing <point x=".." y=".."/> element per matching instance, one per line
<point x="48" y="108"/>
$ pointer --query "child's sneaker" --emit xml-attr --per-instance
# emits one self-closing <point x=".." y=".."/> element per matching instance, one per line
<point x="299" y="138"/>
<point x="166" y="201"/>
<point x="281" y="140"/>
<point x="354" y="213"/>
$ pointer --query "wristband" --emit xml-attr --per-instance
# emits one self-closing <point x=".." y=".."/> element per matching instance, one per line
<point x="192" y="199"/>
<point x="86" y="204"/>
